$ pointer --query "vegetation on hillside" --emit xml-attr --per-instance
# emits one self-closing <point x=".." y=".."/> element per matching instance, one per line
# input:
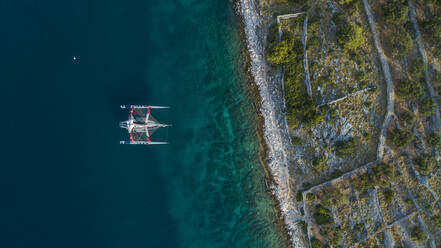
<point x="300" y="106"/>
<point x="345" y="148"/>
<point x="424" y="163"/>
<point x="322" y="215"/>
<point x="400" y="138"/>
<point x="409" y="90"/>
<point x="433" y="141"/>
<point x="381" y="175"/>
<point x="394" y="12"/>
<point x="432" y="27"/>
<point x="418" y="234"/>
<point x="407" y="117"/>
<point x="350" y="37"/>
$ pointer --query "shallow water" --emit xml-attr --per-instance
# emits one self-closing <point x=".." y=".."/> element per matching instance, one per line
<point x="65" y="179"/>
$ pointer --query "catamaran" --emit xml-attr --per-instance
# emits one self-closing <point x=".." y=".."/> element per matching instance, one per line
<point x="141" y="125"/>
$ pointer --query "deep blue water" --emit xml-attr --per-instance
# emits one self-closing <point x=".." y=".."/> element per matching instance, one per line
<point x="64" y="179"/>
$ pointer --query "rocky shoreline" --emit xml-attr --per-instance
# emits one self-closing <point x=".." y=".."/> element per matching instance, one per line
<point x="275" y="130"/>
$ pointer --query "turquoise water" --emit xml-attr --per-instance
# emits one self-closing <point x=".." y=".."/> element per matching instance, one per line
<point x="65" y="179"/>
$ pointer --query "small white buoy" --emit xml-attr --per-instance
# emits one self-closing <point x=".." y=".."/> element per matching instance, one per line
<point x="74" y="58"/>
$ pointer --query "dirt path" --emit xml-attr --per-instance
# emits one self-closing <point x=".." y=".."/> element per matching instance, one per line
<point x="390" y="110"/>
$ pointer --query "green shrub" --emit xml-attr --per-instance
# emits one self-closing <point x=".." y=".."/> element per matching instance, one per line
<point x="313" y="66"/>
<point x="296" y="140"/>
<point x="417" y="68"/>
<point x="338" y="19"/>
<point x="418" y="234"/>
<point x="366" y="135"/>
<point x="321" y="215"/>
<point x="336" y="174"/>
<point x="333" y="114"/>
<point x="401" y="43"/>
<point x="407" y="117"/>
<point x="345" y="148"/>
<point x="313" y="24"/>
<point x="333" y="197"/>
<point x="436" y="78"/>
<point x="315" y="243"/>
<point x="350" y="37"/>
<point x="304" y="226"/>
<point x="409" y="90"/>
<point x="280" y="53"/>
<point x="342" y="2"/>
<point x="299" y="196"/>
<point x="437" y="221"/>
<point x="291" y="1"/>
<point x="426" y="106"/>
<point x="433" y="141"/>
<point x="310" y="197"/>
<point x="400" y="138"/>
<point x="319" y="163"/>
<point x="300" y="106"/>
<point x="381" y="175"/>
<point x="361" y="76"/>
<point x="433" y="27"/>
<point x="432" y="2"/>
<point x="335" y="236"/>
<point x="359" y="227"/>
<point x="313" y="43"/>
<point x="394" y="12"/>
<point x="326" y="80"/>
<point x="273" y="32"/>
<point x="388" y="196"/>
<point x="437" y="53"/>
<point x="352" y="7"/>
<point x="424" y="163"/>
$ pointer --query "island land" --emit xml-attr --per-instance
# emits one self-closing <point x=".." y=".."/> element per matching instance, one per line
<point x="349" y="97"/>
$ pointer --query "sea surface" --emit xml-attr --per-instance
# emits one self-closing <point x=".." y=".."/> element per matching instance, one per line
<point x="64" y="179"/>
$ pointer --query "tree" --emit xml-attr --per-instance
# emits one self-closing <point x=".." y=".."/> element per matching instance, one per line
<point x="433" y="141"/>
<point x="426" y="106"/>
<point x="433" y="27"/>
<point x="424" y="163"/>
<point x="395" y="12"/>
<point x="280" y="53"/>
<point x="272" y="33"/>
<point x="315" y="243"/>
<point x="333" y="197"/>
<point x="436" y="78"/>
<point x="345" y="148"/>
<point x="321" y="215"/>
<point x="350" y="37"/>
<point x="401" y="138"/>
<point x="313" y="43"/>
<point x="437" y="52"/>
<point x="319" y="163"/>
<point x="381" y="175"/>
<point x="417" y="68"/>
<point x="296" y="140"/>
<point x="401" y="43"/>
<point x="409" y="90"/>
<point x="437" y="221"/>
<point x="407" y="117"/>
<point x="310" y="197"/>
<point x="388" y="196"/>
<point x="336" y="173"/>
<point x="418" y="234"/>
